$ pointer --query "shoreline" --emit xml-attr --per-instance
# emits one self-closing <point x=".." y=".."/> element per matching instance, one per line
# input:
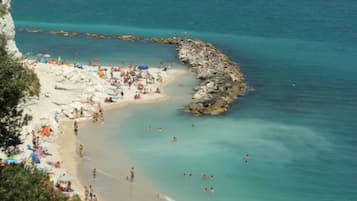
<point x="68" y="143"/>
<point x="64" y="88"/>
<point x="221" y="81"/>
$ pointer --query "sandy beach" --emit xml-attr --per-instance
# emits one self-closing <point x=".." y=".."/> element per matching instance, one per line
<point x="70" y="93"/>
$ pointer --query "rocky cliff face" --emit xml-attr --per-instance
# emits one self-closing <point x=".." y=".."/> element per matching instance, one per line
<point x="7" y="28"/>
<point x="221" y="80"/>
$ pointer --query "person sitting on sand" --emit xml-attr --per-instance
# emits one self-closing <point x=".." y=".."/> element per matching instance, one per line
<point x="174" y="139"/>
<point x="69" y="187"/>
<point x="211" y="177"/>
<point x="157" y="91"/>
<point x="204" y="177"/>
<point x="108" y="100"/>
<point x="81" y="112"/>
<point x="57" y="164"/>
<point x="205" y="190"/>
<point x="122" y="94"/>
<point x="137" y="96"/>
<point x="211" y="190"/>
<point x="91" y="101"/>
<point x="95" y="116"/>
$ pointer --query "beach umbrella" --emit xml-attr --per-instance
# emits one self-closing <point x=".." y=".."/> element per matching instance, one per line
<point x="42" y="60"/>
<point x="47" y="55"/>
<point x="59" y="59"/>
<point x="35" y="158"/>
<point x="39" y="55"/>
<point x="143" y="67"/>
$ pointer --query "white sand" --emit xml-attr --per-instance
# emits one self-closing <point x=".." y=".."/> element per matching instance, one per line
<point x="64" y="88"/>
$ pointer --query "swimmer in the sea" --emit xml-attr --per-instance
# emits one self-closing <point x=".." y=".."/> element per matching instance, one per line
<point x="246" y="159"/>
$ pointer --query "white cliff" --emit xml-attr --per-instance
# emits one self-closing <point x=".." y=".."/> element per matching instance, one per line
<point x="7" y="28"/>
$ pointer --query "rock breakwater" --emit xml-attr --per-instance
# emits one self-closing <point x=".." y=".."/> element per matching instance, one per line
<point x="221" y="80"/>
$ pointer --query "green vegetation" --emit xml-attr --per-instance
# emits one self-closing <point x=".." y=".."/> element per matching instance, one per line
<point x="16" y="83"/>
<point x="17" y="182"/>
<point x="4" y="10"/>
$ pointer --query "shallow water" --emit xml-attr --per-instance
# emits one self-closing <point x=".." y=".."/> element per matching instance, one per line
<point x="298" y="126"/>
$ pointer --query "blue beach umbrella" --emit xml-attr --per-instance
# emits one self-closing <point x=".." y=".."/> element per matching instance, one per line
<point x="143" y="67"/>
<point x="42" y="60"/>
<point x="35" y="158"/>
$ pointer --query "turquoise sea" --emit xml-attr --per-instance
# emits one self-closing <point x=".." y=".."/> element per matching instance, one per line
<point x="299" y="126"/>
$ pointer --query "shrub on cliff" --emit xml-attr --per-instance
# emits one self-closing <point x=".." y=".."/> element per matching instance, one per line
<point x="4" y="10"/>
<point x="16" y="83"/>
<point x="19" y="183"/>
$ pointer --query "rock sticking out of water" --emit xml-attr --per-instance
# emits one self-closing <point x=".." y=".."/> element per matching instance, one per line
<point x="221" y="80"/>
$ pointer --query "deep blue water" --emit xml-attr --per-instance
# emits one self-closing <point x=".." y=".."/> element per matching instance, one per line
<point x="299" y="126"/>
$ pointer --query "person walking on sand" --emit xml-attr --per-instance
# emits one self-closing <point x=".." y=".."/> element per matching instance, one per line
<point x="91" y="192"/>
<point x="132" y="174"/>
<point x="75" y="125"/>
<point x="94" y="173"/>
<point x="81" y="150"/>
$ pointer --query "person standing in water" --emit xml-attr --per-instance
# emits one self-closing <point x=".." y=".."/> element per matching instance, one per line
<point x="246" y="159"/>
<point x="132" y="174"/>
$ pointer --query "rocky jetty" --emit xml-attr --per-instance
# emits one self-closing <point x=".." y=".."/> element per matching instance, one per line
<point x="129" y="37"/>
<point x="221" y="80"/>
